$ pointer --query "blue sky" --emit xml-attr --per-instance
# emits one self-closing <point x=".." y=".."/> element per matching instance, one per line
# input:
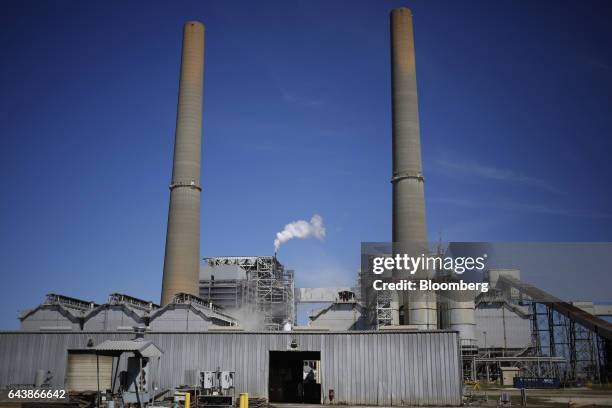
<point x="515" y="109"/>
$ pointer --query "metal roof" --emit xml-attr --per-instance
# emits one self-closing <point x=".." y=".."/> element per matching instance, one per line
<point x="233" y="331"/>
<point x="143" y="347"/>
<point x="196" y="304"/>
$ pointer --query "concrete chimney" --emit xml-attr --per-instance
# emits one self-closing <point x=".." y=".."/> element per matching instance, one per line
<point x="409" y="227"/>
<point x="182" y="257"/>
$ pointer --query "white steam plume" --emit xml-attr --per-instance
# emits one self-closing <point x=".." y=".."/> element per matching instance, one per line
<point x="301" y="229"/>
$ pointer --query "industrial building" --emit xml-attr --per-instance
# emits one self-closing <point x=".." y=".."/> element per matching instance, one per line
<point x="255" y="285"/>
<point x="425" y="365"/>
<point x="237" y="314"/>
<point x="57" y="312"/>
<point x="121" y="312"/>
<point x="345" y="313"/>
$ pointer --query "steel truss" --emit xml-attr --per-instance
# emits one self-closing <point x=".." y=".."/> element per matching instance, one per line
<point x="269" y="289"/>
<point x="384" y="314"/>
<point x="561" y="329"/>
<point x="585" y="353"/>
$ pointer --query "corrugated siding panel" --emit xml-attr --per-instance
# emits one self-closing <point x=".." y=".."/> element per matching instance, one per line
<point x="365" y="368"/>
<point x="496" y="322"/>
<point x="47" y="317"/>
<point x="110" y="318"/>
<point x="82" y="372"/>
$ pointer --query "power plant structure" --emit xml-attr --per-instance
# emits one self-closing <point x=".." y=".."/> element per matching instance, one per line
<point x="233" y="318"/>
<point x="182" y="259"/>
<point x="409" y="233"/>
<point x="256" y="286"/>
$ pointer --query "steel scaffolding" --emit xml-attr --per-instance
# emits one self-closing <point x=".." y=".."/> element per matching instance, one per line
<point x="69" y="302"/>
<point x="560" y="329"/>
<point x="584" y="351"/>
<point x="268" y="288"/>
<point x="384" y="313"/>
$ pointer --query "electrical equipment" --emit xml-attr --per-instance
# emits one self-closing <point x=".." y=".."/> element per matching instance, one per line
<point x="227" y="380"/>
<point x="207" y="379"/>
<point x="216" y="388"/>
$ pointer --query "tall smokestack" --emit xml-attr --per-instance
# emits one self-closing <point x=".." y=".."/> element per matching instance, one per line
<point x="182" y="258"/>
<point x="409" y="228"/>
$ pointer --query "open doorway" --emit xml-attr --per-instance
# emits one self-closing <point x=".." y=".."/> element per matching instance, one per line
<point x="295" y="377"/>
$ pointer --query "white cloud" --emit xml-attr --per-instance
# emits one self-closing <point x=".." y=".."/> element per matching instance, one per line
<point x="456" y="169"/>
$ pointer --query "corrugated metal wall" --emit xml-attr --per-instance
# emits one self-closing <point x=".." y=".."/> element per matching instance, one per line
<point x="112" y="318"/>
<point x="340" y="316"/>
<point x="179" y="318"/>
<point x="375" y="368"/>
<point x="49" y="317"/>
<point x="503" y="327"/>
